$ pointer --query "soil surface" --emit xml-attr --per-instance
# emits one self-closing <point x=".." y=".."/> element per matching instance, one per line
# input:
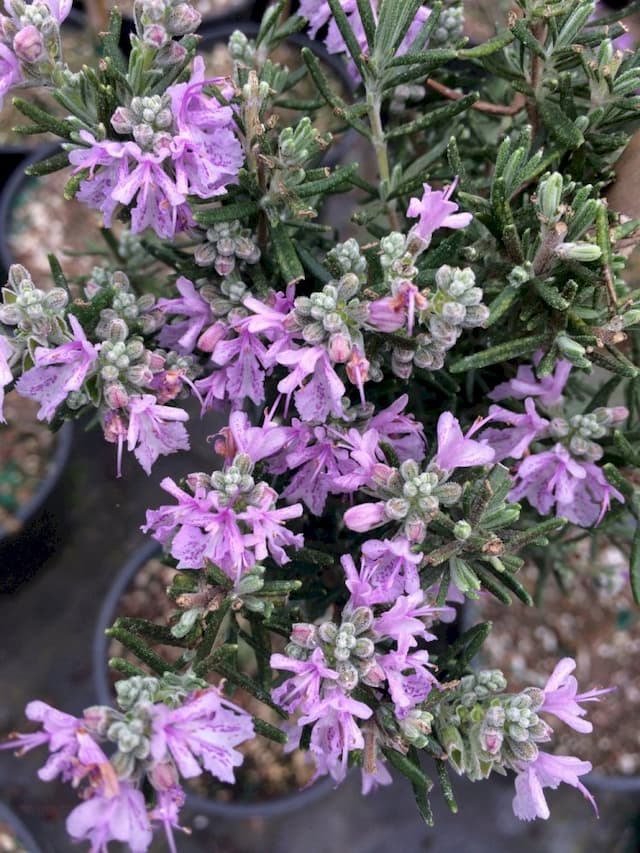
<point x="598" y="625"/>
<point x="43" y="221"/>
<point x="26" y="450"/>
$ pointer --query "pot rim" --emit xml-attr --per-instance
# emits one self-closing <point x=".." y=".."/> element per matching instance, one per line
<point x="101" y="685"/>
<point x="12" y="185"/>
<point x="56" y="468"/>
<point x="9" y="816"/>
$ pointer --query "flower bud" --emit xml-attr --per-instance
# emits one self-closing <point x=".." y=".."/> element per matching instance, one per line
<point x="339" y="348"/>
<point x="304" y="634"/>
<point x="183" y="19"/>
<point x="462" y="530"/>
<point x="549" y="197"/>
<point x="116" y="396"/>
<point x="569" y="348"/>
<point x="28" y="44"/>
<point x="122" y="120"/>
<point x="583" y="252"/>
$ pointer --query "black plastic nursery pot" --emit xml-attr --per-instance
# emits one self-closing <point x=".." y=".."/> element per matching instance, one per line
<point x="11" y="823"/>
<point x="42" y="521"/>
<point x="196" y="804"/>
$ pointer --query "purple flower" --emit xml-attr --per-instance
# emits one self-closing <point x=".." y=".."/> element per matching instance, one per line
<point x="10" y="74"/>
<point x="456" y="450"/>
<point x="372" y="780"/>
<point x="322" y="393"/>
<point x="388" y="568"/>
<point x="547" y="771"/>
<point x="523" y="429"/>
<point x="58" y="371"/>
<point x="120" y="817"/>
<point x="183" y="336"/>
<point x="6" y="376"/>
<point x="408" y="677"/>
<point x="159" y="203"/>
<point x="365" y="516"/>
<point x="201" y="734"/>
<point x="108" y="165"/>
<point x="364" y="453"/>
<point x="336" y="732"/>
<point x="548" y="389"/>
<point x="317" y="469"/>
<point x="435" y="210"/>
<point x="403" y="432"/>
<point x="267" y="525"/>
<point x="579" y="490"/>
<point x="302" y="690"/>
<point x="561" y="697"/>
<point x="154" y="430"/>
<point x="404" y="621"/>
<point x="244" y="358"/>
<point x="73" y="752"/>
<point x="168" y="805"/>
<point x="256" y="442"/>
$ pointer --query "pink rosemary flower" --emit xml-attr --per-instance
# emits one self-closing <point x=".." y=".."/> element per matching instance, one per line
<point x="561" y="697"/>
<point x="244" y="359"/>
<point x="201" y="735"/>
<point x="335" y="732"/>
<point x="74" y="754"/>
<point x="402" y="431"/>
<point x="257" y="443"/>
<point x="166" y="811"/>
<point x="522" y="429"/>
<point x="268" y="533"/>
<point x="314" y="457"/>
<point x="10" y="74"/>
<point x="108" y="817"/>
<point x="456" y="450"/>
<point x="388" y="568"/>
<point x="302" y="690"/>
<point x="58" y="371"/>
<point x="183" y="336"/>
<point x="154" y="430"/>
<point x="409" y="679"/>
<point x="404" y="622"/>
<point x="435" y="210"/>
<point x="6" y="376"/>
<point x="393" y="312"/>
<point x="578" y="490"/>
<point x="322" y="392"/>
<point x="547" y="771"/>
<point x="548" y="390"/>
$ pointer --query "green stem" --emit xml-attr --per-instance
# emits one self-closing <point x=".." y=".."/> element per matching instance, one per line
<point x="374" y="106"/>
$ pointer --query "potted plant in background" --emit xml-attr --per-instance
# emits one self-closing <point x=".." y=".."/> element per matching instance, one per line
<point x="438" y="387"/>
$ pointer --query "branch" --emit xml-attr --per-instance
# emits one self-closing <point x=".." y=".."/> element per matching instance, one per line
<point x="511" y="109"/>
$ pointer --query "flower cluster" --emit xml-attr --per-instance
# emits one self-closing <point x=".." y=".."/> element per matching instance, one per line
<point x="30" y="42"/>
<point x="485" y="729"/>
<point x="565" y="475"/>
<point x="181" y="143"/>
<point x="164" y="730"/>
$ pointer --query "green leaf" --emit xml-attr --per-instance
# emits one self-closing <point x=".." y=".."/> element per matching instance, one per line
<point x="559" y="125"/>
<point x="350" y="40"/>
<point x="439" y="114"/>
<point x="51" y="164"/>
<point x="59" y="278"/>
<point x="408" y="768"/>
<point x="44" y="119"/>
<point x="288" y="261"/>
<point x="445" y="786"/>
<point x="368" y="21"/>
<point x="140" y="649"/>
<point x="269" y="731"/>
<point x="499" y="353"/>
<point x="394" y="20"/>
<point x="227" y="212"/>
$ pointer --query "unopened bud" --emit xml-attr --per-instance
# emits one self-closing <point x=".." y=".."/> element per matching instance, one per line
<point x="583" y="252"/>
<point x="28" y="44"/>
<point x="549" y="197"/>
